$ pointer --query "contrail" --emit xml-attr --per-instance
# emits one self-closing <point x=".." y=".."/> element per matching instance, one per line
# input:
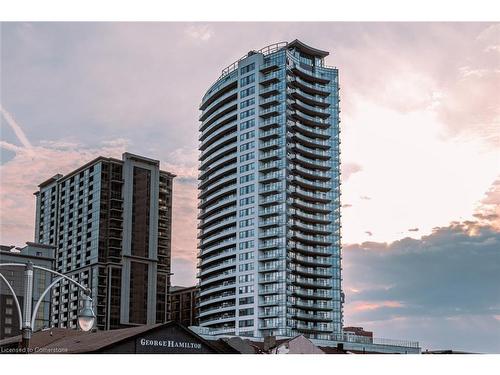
<point x="16" y="128"/>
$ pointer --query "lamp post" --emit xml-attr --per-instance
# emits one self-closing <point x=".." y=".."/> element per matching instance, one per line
<point x="86" y="316"/>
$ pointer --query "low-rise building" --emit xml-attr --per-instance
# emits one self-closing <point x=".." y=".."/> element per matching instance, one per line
<point x="40" y="255"/>
<point x="183" y="305"/>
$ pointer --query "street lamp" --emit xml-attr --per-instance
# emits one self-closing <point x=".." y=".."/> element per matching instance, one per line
<point x="86" y="316"/>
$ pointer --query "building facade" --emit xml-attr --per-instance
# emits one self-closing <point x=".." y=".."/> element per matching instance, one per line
<point x="182" y="306"/>
<point x="110" y="222"/>
<point x="40" y="255"/>
<point x="269" y="196"/>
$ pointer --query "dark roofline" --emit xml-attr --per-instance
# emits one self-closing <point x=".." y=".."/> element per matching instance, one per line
<point x="307" y="49"/>
<point x="60" y="177"/>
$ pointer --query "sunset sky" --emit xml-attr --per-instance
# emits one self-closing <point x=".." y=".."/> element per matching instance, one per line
<point x="420" y="116"/>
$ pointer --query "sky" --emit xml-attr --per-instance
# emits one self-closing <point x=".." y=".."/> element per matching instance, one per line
<point x="420" y="148"/>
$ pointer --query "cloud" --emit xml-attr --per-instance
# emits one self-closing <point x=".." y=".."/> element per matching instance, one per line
<point x="413" y="230"/>
<point x="365" y="197"/>
<point x="348" y="169"/>
<point x="369" y="233"/>
<point x="17" y="130"/>
<point x="447" y="278"/>
<point x="29" y="167"/>
<point x="201" y="32"/>
<point x="346" y="205"/>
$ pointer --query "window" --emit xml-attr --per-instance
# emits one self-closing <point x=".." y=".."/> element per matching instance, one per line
<point x="247" y="113"/>
<point x="247" y="189"/>
<point x="247" y="80"/>
<point x="247" y="92"/>
<point x="246" y="157"/>
<point x="246" y="223"/>
<point x="247" y="178"/>
<point x="247" y="68"/>
<point x="246" y="289"/>
<point x="248" y="135"/>
<point x="247" y="233"/>
<point x="247" y="146"/>
<point x="248" y="200"/>
<point x="247" y="167"/>
<point x="244" y="312"/>
<point x="246" y="256"/>
<point x="246" y="267"/>
<point x="246" y="245"/>
<point x="246" y="212"/>
<point x="247" y="103"/>
<point x="246" y="323"/>
<point x="246" y="300"/>
<point x="247" y="124"/>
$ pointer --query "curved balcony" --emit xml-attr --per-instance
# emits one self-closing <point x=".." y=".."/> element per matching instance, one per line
<point x="310" y="271"/>
<point x="311" y="184"/>
<point x="323" y="294"/>
<point x="271" y="100"/>
<point x="310" y="228"/>
<point x="220" y="163"/>
<point x="223" y="173"/>
<point x="271" y="111"/>
<point x="308" y="206"/>
<point x="224" y="207"/>
<point x="272" y="121"/>
<point x="313" y="317"/>
<point x="309" y="110"/>
<point x="305" y="327"/>
<point x="310" y="74"/>
<point x="218" y="308"/>
<point x="219" y="266"/>
<point x="271" y="166"/>
<point x="313" y="305"/>
<point x="217" y="288"/>
<point x="217" y="133"/>
<point x="270" y="289"/>
<point x="220" y="235"/>
<point x="218" y="89"/>
<point x="225" y="140"/>
<point x="221" y="245"/>
<point x="220" y="117"/>
<point x="311" y="132"/>
<point x="271" y="144"/>
<point x="310" y="163"/>
<point x="273" y="232"/>
<point x="306" y="194"/>
<point x="271" y="133"/>
<point x="225" y="318"/>
<point x="271" y="222"/>
<point x="310" y="99"/>
<point x="217" y="277"/>
<point x="271" y="255"/>
<point x="311" y="239"/>
<point x="218" y="103"/>
<point x="310" y="250"/>
<point x="309" y="120"/>
<point x="216" y="192"/>
<point x="311" y="282"/>
<point x="310" y="173"/>
<point x="217" y="256"/>
<point x="214" y="225"/>
<point x="271" y="155"/>
<point x="272" y="210"/>
<point x="225" y="296"/>
<point x="311" y="152"/>
<point x="314" y="261"/>
<point x="311" y="218"/>
<point x="310" y="88"/>
<point x="216" y="155"/>
<point x="308" y="141"/>
<point x="271" y="188"/>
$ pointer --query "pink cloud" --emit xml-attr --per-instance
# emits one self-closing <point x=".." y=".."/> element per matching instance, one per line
<point x="21" y="175"/>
